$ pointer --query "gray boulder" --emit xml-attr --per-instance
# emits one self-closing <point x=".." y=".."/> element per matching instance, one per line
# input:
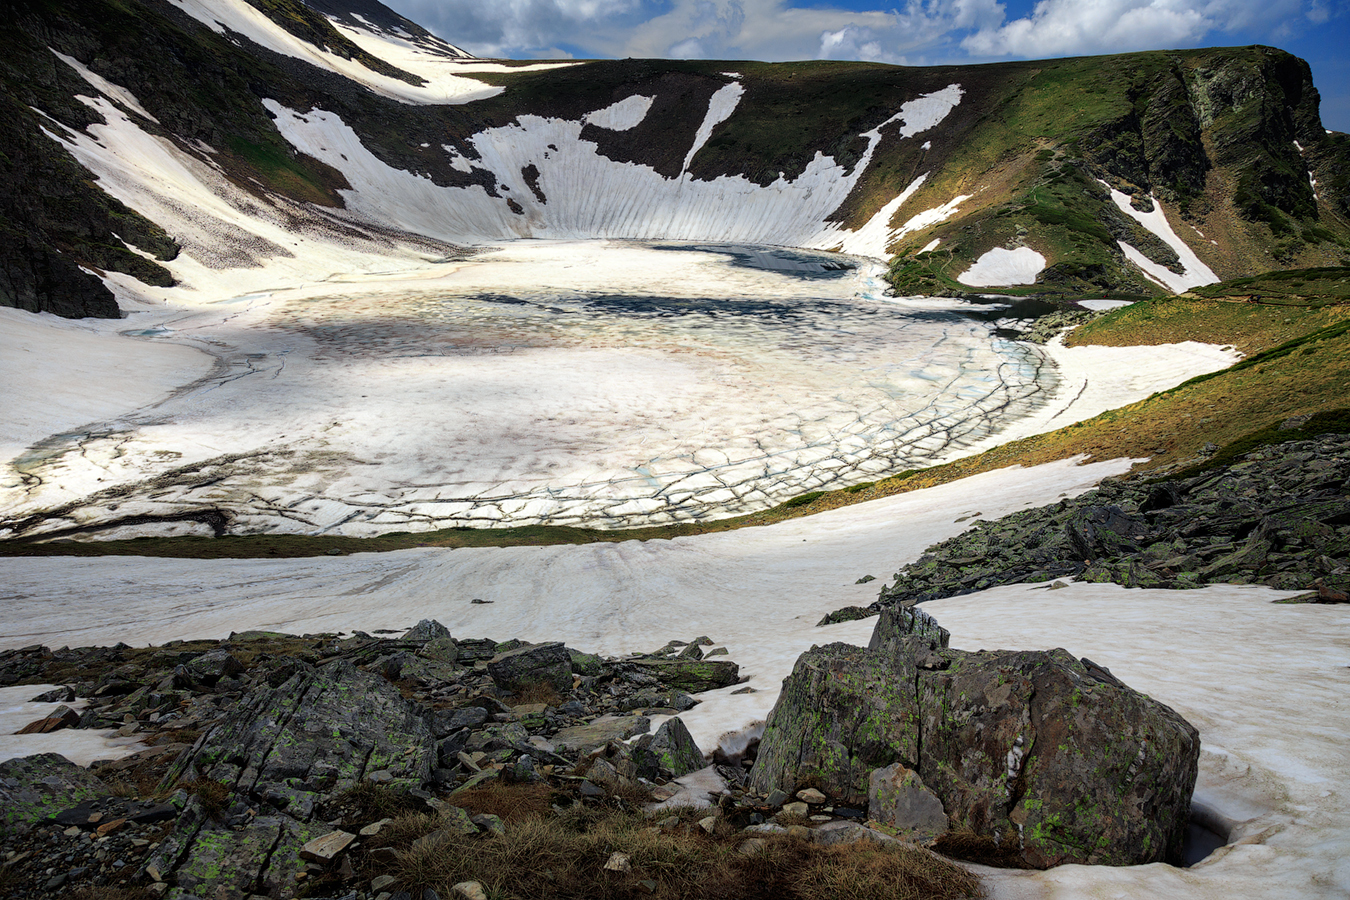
<point x="897" y="797"/>
<point x="1036" y="750"/>
<point x="532" y="664"/>
<point x="426" y="630"/>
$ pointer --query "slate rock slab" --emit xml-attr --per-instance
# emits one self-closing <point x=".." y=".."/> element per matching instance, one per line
<point x="692" y="675"/>
<point x="585" y="738"/>
<point x="204" y="857"/>
<point x="1036" y="750"/>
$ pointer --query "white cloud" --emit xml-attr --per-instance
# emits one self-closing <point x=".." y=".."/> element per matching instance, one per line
<point x="1076" y="27"/>
<point x="920" y="32"/>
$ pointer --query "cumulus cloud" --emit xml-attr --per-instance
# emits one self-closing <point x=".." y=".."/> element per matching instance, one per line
<point x="920" y="31"/>
<point x="1076" y="27"/>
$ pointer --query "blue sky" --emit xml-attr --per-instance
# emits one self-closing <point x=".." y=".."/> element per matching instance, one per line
<point x="918" y="32"/>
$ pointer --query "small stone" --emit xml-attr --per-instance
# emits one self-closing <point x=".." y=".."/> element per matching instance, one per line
<point x="708" y="824"/>
<point x="324" y="849"/>
<point x="796" y="809"/>
<point x="381" y="882"/>
<point x="776" y="798"/>
<point x="811" y="795"/>
<point x="752" y="847"/>
<point x="382" y="776"/>
<point x="468" y="890"/>
<point x="618" y="862"/>
<point x="489" y="824"/>
<point x="374" y="828"/>
<point x="110" y="826"/>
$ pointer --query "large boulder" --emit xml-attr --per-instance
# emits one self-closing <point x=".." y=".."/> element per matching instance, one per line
<point x="1034" y="750"/>
<point x="692" y="675"/>
<point x="532" y="664"/>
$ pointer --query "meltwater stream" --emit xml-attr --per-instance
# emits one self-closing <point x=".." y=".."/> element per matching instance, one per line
<point x="591" y="383"/>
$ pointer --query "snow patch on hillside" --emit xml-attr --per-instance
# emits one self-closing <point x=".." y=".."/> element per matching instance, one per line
<point x="627" y="113"/>
<point x="107" y="88"/>
<point x="239" y="17"/>
<point x="720" y="107"/>
<point x="1000" y="267"/>
<point x="636" y="202"/>
<point x="1194" y="273"/>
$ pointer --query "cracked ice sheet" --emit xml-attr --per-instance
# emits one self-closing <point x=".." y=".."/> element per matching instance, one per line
<point x="1264" y="683"/>
<point x="78" y="371"/>
<point x="1093" y="379"/>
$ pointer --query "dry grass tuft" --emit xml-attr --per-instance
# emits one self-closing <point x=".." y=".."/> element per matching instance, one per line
<point x="564" y="857"/>
<point x="405" y="829"/>
<point x="899" y="873"/>
<point x="538" y="692"/>
<point x="214" y="796"/>
<point x="369" y="802"/>
<point x="111" y="893"/>
<point x="512" y="802"/>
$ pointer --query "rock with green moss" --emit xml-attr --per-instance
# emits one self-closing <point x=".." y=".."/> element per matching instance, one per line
<point x="206" y="856"/>
<point x="586" y="663"/>
<point x="669" y="753"/>
<point x="35" y="788"/>
<point x="532" y="664"/>
<point x="321" y="732"/>
<point x="692" y="675"/>
<point x="1032" y="749"/>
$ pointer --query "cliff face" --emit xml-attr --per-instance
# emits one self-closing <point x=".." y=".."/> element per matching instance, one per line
<point x="340" y="114"/>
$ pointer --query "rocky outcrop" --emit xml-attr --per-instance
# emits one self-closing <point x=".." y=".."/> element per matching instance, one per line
<point x="1277" y="516"/>
<point x="35" y="788"/>
<point x="262" y="741"/>
<point x="319" y="733"/>
<point x="1044" y="757"/>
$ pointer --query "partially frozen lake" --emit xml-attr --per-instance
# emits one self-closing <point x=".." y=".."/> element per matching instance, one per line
<point x="585" y="383"/>
<point x="578" y="383"/>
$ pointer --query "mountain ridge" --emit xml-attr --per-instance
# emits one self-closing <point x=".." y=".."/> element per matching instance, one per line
<point x="1227" y="141"/>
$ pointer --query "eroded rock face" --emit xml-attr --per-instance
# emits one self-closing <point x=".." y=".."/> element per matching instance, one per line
<point x="321" y="732"/>
<point x="1044" y="755"/>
